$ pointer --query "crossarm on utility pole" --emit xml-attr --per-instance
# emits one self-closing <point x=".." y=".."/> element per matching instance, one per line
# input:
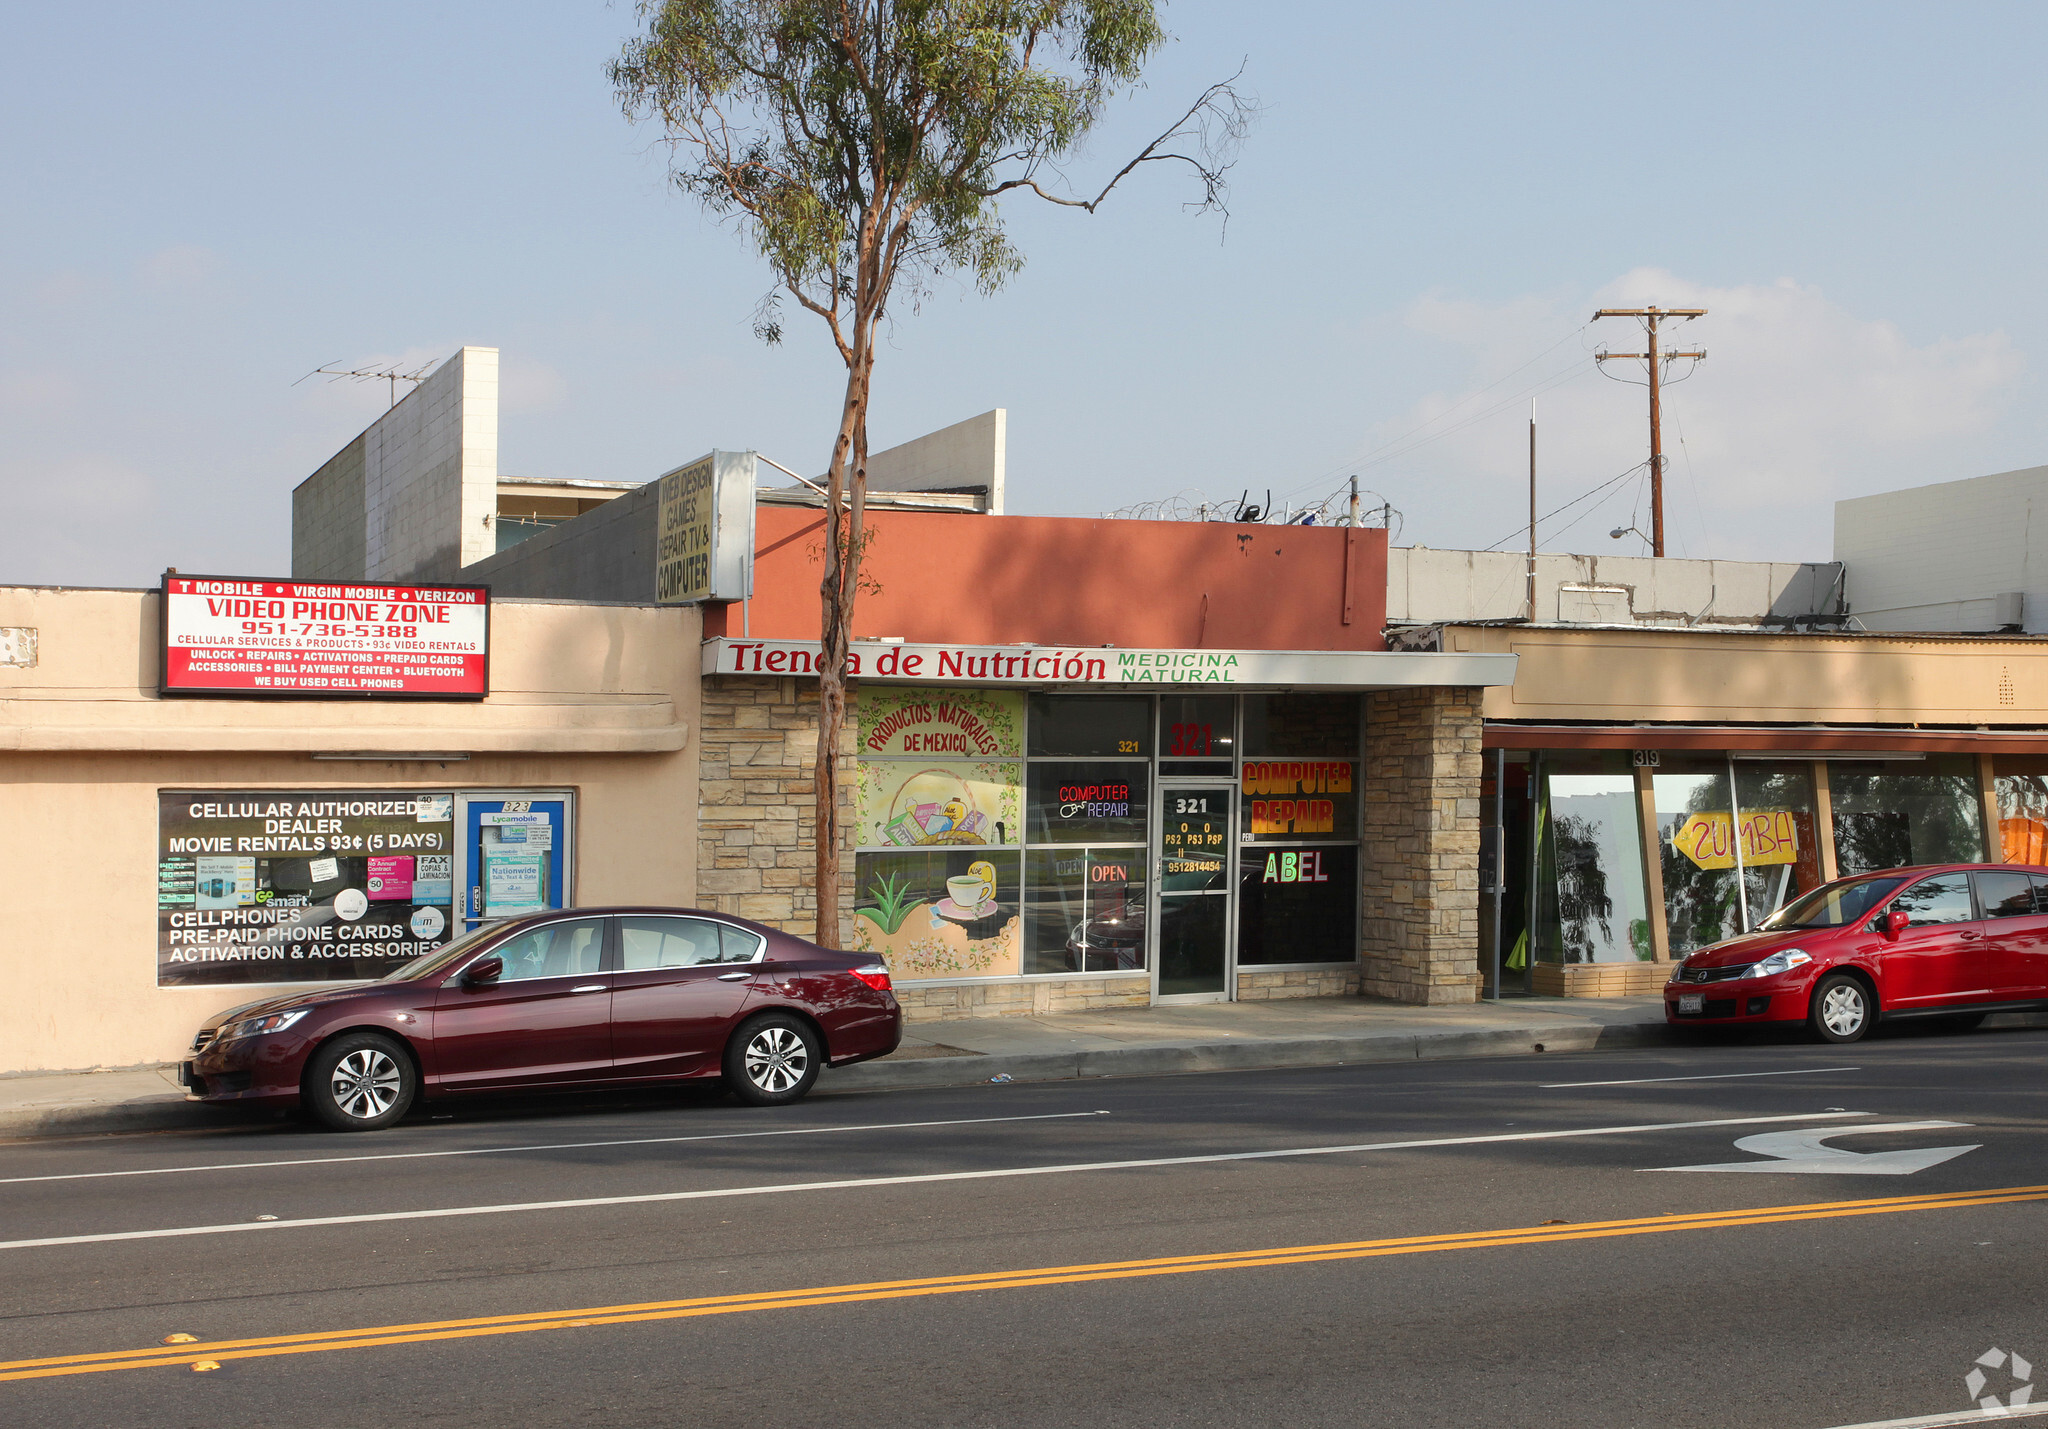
<point x="1649" y="317"/>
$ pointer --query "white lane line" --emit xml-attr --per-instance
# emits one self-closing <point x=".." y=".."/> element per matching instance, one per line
<point x="371" y="1217"/>
<point x="555" y="1146"/>
<point x="1959" y="1416"/>
<point x="1709" y="1077"/>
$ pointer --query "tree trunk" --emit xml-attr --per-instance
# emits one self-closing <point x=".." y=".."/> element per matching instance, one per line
<point x="845" y="513"/>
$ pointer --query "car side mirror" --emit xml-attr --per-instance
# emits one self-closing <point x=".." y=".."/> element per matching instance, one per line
<point x="483" y="970"/>
<point x="1893" y="923"/>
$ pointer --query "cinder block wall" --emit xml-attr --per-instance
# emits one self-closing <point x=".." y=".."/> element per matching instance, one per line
<point x="1419" y="868"/>
<point x="328" y="519"/>
<point x="409" y="499"/>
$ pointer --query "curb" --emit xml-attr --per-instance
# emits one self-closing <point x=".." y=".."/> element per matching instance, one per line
<point x="164" y="1113"/>
<point x="888" y="1075"/>
<point x="173" y="1113"/>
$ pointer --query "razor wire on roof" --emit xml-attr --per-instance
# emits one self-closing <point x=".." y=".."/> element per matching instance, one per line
<point x="1189" y="504"/>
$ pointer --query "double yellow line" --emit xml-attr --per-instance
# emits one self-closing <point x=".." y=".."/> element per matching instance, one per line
<point x="424" y="1332"/>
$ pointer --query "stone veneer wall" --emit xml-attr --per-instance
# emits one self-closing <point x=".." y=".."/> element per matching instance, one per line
<point x="1420" y="860"/>
<point x="1254" y="986"/>
<point x="756" y="827"/>
<point x="926" y="1002"/>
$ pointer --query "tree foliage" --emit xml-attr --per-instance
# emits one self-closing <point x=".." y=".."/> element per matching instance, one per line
<point x="863" y="147"/>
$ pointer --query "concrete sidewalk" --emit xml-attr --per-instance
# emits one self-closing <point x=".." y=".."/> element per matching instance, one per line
<point x="1243" y="1036"/>
<point x="1148" y="1041"/>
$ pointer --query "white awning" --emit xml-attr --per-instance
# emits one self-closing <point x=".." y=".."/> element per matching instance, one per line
<point x="902" y="663"/>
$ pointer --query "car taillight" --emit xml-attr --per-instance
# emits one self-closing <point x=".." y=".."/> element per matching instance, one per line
<point x="876" y="977"/>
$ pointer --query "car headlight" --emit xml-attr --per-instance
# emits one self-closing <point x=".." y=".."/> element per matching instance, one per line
<point x="1779" y="962"/>
<point x="269" y="1022"/>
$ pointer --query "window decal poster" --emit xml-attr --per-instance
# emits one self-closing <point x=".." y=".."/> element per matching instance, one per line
<point x="272" y="886"/>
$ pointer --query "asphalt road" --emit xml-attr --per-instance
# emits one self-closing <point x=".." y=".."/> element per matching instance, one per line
<point x="1222" y="1249"/>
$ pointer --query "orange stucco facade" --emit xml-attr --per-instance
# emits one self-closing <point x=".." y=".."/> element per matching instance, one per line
<point x="1007" y="580"/>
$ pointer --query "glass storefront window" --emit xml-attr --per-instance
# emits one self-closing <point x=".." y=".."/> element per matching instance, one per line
<point x="2022" y="783"/>
<point x="1091" y="725"/>
<point x="290" y="886"/>
<point x="1084" y="910"/>
<point x="1096" y="801"/>
<point x="1891" y="814"/>
<point x="1048" y="798"/>
<point x="1197" y="734"/>
<point x="1299" y="798"/>
<point x="1297" y="905"/>
<point x="1301" y="725"/>
<point x="1780" y="852"/>
<point x="1695" y="851"/>
<point x="1591" y="907"/>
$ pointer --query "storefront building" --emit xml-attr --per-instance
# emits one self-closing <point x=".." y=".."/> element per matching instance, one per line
<point x="173" y="857"/>
<point x="1017" y="847"/>
<point x="1654" y="791"/>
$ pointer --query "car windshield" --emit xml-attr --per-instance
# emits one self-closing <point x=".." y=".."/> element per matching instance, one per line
<point x="1833" y="906"/>
<point x="427" y="964"/>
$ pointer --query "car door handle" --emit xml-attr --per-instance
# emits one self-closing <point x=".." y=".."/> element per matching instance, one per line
<point x="589" y="987"/>
<point x="1969" y="936"/>
<point x="734" y="977"/>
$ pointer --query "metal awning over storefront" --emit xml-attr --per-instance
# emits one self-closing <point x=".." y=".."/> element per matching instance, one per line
<point x="1779" y="741"/>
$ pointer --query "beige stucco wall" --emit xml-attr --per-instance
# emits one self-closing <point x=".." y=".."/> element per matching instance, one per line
<point x="598" y="700"/>
<point x="1753" y="678"/>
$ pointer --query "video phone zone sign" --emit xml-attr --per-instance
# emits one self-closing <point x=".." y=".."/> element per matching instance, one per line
<point x="246" y="637"/>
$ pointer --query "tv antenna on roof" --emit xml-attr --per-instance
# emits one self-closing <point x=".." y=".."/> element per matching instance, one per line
<point x="393" y="374"/>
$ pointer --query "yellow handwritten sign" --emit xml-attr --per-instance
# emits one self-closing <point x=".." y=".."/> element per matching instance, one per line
<point x="1768" y="837"/>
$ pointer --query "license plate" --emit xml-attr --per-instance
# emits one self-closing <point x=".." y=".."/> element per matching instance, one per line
<point x="184" y="1074"/>
<point x="1692" y="1002"/>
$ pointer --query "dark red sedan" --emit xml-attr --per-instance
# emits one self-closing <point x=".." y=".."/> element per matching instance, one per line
<point x="1957" y="940"/>
<point x="588" y="997"/>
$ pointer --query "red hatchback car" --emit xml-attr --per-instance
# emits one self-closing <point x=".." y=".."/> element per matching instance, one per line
<point x="587" y="997"/>
<point x="1958" y="940"/>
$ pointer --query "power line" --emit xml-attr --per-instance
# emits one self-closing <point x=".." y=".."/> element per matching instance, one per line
<point x="1384" y="451"/>
<point x="1568" y="505"/>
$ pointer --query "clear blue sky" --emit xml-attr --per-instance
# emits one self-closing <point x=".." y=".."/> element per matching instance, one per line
<point x="206" y="200"/>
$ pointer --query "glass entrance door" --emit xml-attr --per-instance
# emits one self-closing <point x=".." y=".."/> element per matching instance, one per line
<point x="1196" y="827"/>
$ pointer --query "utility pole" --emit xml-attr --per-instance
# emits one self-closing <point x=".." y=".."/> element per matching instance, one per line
<point x="1650" y="317"/>
<point x="1532" y="510"/>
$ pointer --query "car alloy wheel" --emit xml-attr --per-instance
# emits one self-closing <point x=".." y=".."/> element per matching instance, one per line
<point x="365" y="1083"/>
<point x="776" y="1059"/>
<point x="1841" y="1009"/>
<point x="359" y="1082"/>
<point x="773" y="1060"/>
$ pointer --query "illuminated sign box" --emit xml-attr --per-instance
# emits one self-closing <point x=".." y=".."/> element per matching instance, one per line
<point x="248" y="637"/>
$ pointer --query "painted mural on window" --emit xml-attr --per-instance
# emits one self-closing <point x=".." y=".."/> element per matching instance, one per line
<point x="939" y="805"/>
<point x="914" y="804"/>
<point x="961" y="724"/>
<point x="939" y="912"/>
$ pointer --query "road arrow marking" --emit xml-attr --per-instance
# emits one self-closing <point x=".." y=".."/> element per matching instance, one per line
<point x="1805" y="1153"/>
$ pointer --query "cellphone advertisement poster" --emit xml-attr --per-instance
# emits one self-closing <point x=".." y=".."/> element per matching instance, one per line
<point x="246" y="637"/>
<point x="273" y="886"/>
